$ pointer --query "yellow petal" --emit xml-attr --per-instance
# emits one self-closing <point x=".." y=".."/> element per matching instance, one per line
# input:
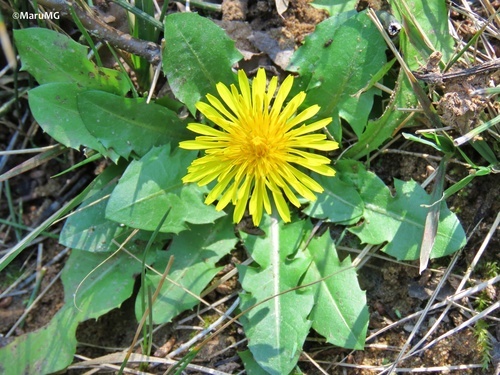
<point x="198" y="144"/>
<point x="207" y="130"/>
<point x="291" y="107"/>
<point x="227" y="97"/>
<point x="259" y="90"/>
<point x="242" y="199"/>
<point x="283" y="92"/>
<point x="256" y="201"/>
<point x="244" y="88"/>
<point x="282" y="207"/>
<point x="303" y="116"/>
<point x="311" y="127"/>
<point x="216" y="103"/>
<point x="276" y="178"/>
<point x="306" y="180"/>
<point x="219" y="188"/>
<point x="228" y="195"/>
<point x="311" y="159"/>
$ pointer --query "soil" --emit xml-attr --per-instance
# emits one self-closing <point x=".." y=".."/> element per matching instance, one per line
<point x="393" y="290"/>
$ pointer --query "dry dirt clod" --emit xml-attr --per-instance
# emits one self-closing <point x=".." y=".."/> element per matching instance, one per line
<point x="5" y="302"/>
<point x="458" y="107"/>
<point x="234" y="10"/>
<point x="163" y="350"/>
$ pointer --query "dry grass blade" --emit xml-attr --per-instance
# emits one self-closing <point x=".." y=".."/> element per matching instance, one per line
<point x="21" y="245"/>
<point x="409" y="370"/>
<point x="316" y="364"/>
<point x="34" y="162"/>
<point x="7" y="48"/>
<point x="432" y="218"/>
<point x="465" y="324"/>
<point x="108" y="360"/>
<point x="206" y="331"/>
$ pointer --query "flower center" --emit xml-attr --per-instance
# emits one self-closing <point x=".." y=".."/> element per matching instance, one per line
<point x="259" y="147"/>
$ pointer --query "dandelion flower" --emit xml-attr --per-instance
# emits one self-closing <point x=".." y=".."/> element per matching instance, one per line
<point x="257" y="147"/>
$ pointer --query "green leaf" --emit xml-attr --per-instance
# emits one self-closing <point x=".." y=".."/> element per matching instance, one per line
<point x="380" y="130"/>
<point x="432" y="19"/>
<point x="482" y="147"/>
<point x="276" y="329"/>
<point x="129" y="125"/>
<point x="399" y="220"/>
<point x="88" y="229"/>
<point x="442" y="143"/>
<point x="423" y="141"/>
<point x="198" y="54"/>
<point x="44" y="351"/>
<point x="339" y="203"/>
<point x="195" y="253"/>
<point x="53" y="57"/>
<point x="340" y="313"/>
<point x="334" y="7"/>
<point x="481" y="171"/>
<point x="52" y="348"/>
<point x="251" y="365"/>
<point x="152" y="185"/>
<point x="338" y="60"/>
<point x="113" y="278"/>
<point x="54" y="106"/>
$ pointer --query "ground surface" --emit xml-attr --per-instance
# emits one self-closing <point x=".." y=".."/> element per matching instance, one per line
<point x="393" y="290"/>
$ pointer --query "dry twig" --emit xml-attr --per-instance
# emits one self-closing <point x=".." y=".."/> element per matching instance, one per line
<point x="148" y="50"/>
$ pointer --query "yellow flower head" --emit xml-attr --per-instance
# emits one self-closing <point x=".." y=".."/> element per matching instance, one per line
<point x="257" y="148"/>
